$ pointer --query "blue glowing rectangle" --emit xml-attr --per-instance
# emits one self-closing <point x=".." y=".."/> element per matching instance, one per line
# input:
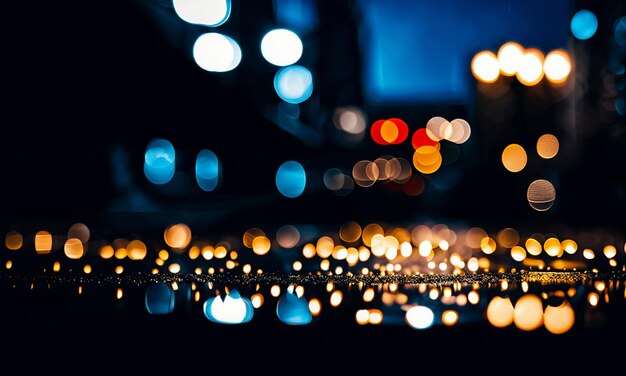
<point x="420" y="51"/>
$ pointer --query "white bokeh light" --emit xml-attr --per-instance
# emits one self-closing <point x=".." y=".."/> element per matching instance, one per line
<point x="281" y="47"/>
<point x="215" y="52"/>
<point x="203" y="12"/>
<point x="420" y="317"/>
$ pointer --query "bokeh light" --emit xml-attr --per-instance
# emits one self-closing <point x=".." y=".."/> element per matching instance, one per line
<point x="293" y="310"/>
<point x="557" y="66"/>
<point x="509" y="58"/>
<point x="43" y="242"/>
<point x="288" y="236"/>
<point x="203" y="12"/>
<point x="350" y="119"/>
<point x="541" y="195"/>
<point x="215" y="52"/>
<point x="261" y="245"/>
<point x="13" y="240"/>
<point x="500" y="312"/>
<point x="73" y="248"/>
<point x="159" y="161"/>
<point x="293" y="84"/>
<point x="530" y="70"/>
<point x="177" y="236"/>
<point x="208" y="170"/>
<point x="559" y="319"/>
<point x="419" y="317"/>
<point x="485" y="67"/>
<point x="528" y="313"/>
<point x="79" y="231"/>
<point x="514" y="158"/>
<point x="291" y="179"/>
<point x="584" y="24"/>
<point x="547" y="146"/>
<point x="281" y="47"/>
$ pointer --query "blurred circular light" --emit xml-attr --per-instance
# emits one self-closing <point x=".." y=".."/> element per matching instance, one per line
<point x="530" y="70"/>
<point x="281" y="47"/>
<point x="559" y="320"/>
<point x="460" y="131"/>
<point x="485" y="67"/>
<point x="541" y="195"/>
<point x="177" y="236"/>
<point x="73" y="248"/>
<point x="293" y="84"/>
<point x="500" y="312"/>
<point x="427" y="159"/>
<point x="449" y="317"/>
<point x="421" y="138"/>
<point x="291" y="179"/>
<point x="419" y="317"/>
<point x="288" y="236"/>
<point x="436" y="128"/>
<point x="13" y="240"/>
<point x="333" y="179"/>
<point x="203" y="12"/>
<point x="528" y="313"/>
<point x="403" y="130"/>
<point x="79" y="231"/>
<point x="207" y="170"/>
<point x="518" y="253"/>
<point x="514" y="158"/>
<point x="584" y="24"/>
<point x="215" y="52"/>
<point x="261" y="245"/>
<point x="509" y="57"/>
<point x="547" y="146"/>
<point x="137" y="250"/>
<point x="557" y="66"/>
<point x="350" y="120"/>
<point x="389" y="131"/>
<point x="159" y="161"/>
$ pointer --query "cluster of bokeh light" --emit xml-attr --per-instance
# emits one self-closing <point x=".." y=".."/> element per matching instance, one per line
<point x="528" y="65"/>
<point x="370" y="252"/>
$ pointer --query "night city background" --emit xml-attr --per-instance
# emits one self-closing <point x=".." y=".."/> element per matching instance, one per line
<point x="306" y="143"/>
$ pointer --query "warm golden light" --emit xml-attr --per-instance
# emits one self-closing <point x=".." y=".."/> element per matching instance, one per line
<point x="472" y="264"/>
<point x="509" y="57"/>
<point x="541" y="195"/>
<point x="275" y="291"/>
<point x="194" y="253"/>
<point x="257" y="300"/>
<point x="315" y="306"/>
<point x="528" y="312"/>
<point x="335" y="298"/>
<point x="79" y="231"/>
<point x="569" y="246"/>
<point x="362" y="316"/>
<point x="56" y="267"/>
<point x="530" y="70"/>
<point x="514" y="158"/>
<point x="508" y="237"/>
<point x="177" y="236"/>
<point x="13" y="240"/>
<point x="174" y="268"/>
<point x="375" y="316"/>
<point x="308" y="250"/>
<point x="43" y="242"/>
<point x="559" y="319"/>
<point x="119" y="269"/>
<point x="485" y="67"/>
<point x="449" y="317"/>
<point x="121" y="253"/>
<point x="610" y="251"/>
<point x="119" y="293"/>
<point x="557" y="66"/>
<point x="249" y="236"/>
<point x="324" y="246"/>
<point x="588" y="254"/>
<point x="500" y="311"/>
<point x="261" y="245"/>
<point x="593" y="298"/>
<point x="552" y="246"/>
<point x="106" y="252"/>
<point x="488" y="245"/>
<point x="518" y="253"/>
<point x="73" y="248"/>
<point x="427" y="159"/>
<point x="547" y="146"/>
<point x="350" y="232"/>
<point x="8" y="265"/>
<point x="473" y="297"/>
<point x="137" y="250"/>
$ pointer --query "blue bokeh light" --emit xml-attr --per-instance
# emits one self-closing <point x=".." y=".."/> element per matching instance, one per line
<point x="584" y="24"/>
<point x="160" y="161"/>
<point x="208" y="170"/>
<point x="293" y="84"/>
<point x="233" y="309"/>
<point x="159" y="299"/>
<point x="291" y="179"/>
<point x="293" y="310"/>
<point x="298" y="15"/>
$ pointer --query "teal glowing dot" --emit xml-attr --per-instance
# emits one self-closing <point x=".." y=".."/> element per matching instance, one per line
<point x="291" y="179"/>
<point x="293" y="310"/>
<point x="584" y="24"/>
<point x="159" y="299"/>
<point x="293" y="84"/>
<point x="160" y="161"/>
<point x="208" y="170"/>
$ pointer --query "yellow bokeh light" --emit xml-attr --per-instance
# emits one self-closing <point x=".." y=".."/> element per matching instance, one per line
<point x="560" y="319"/>
<point x="106" y="252"/>
<point x="174" y="268"/>
<point x="194" y="253"/>
<point x="488" y="245"/>
<point x="177" y="236"/>
<point x="528" y="312"/>
<point x="610" y="251"/>
<point x="530" y="71"/>
<point x="121" y="253"/>
<point x="569" y="246"/>
<point x="473" y="297"/>
<point x="137" y="250"/>
<point x="552" y="246"/>
<point x="249" y="236"/>
<point x="588" y="254"/>
<point x="500" y="311"/>
<point x="514" y="158"/>
<point x="119" y="269"/>
<point x="335" y="298"/>
<point x="315" y="306"/>
<point x="557" y="66"/>
<point x="350" y="232"/>
<point x="427" y="159"/>
<point x="508" y="237"/>
<point x="257" y="300"/>
<point x="449" y="317"/>
<point x="261" y="245"/>
<point x="43" y="242"/>
<point x="389" y="131"/>
<point x="362" y="316"/>
<point x="369" y="231"/>
<point x="547" y="146"/>
<point x="73" y="248"/>
<point x="518" y="253"/>
<point x="275" y="291"/>
<point x="375" y="316"/>
<point x="8" y="264"/>
<point x="297" y="266"/>
<point x="324" y="246"/>
<point x="13" y="240"/>
<point x="87" y="269"/>
<point x="472" y="264"/>
<point x="368" y="295"/>
<point x="509" y="57"/>
<point x="308" y="250"/>
<point x="485" y="67"/>
<point x="593" y="298"/>
<point x="533" y="247"/>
